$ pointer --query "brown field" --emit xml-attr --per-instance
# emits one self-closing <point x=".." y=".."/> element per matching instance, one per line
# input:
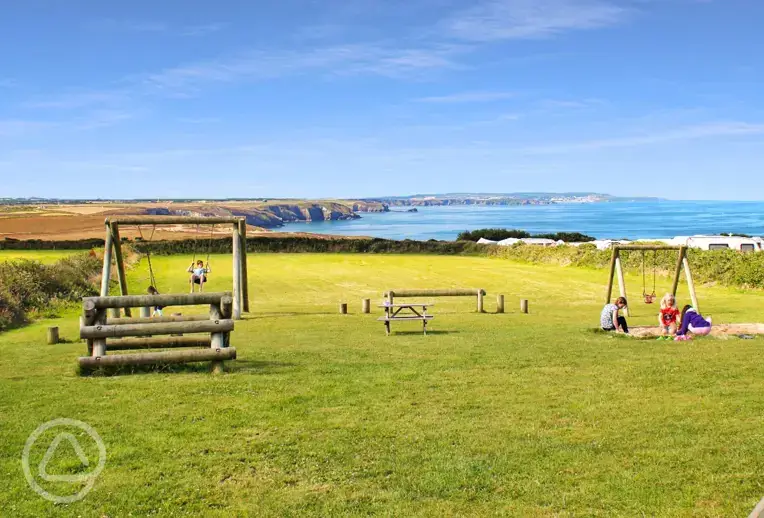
<point x="86" y="221"/>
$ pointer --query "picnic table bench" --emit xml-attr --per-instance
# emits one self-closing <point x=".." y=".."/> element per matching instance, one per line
<point x="414" y="312"/>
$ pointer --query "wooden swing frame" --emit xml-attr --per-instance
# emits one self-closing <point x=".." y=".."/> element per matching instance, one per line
<point x="616" y="268"/>
<point x="113" y="247"/>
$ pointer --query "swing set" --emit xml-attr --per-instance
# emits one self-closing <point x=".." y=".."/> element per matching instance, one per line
<point x="616" y="269"/>
<point x="113" y="248"/>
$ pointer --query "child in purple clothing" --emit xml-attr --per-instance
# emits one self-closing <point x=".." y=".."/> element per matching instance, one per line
<point x="693" y="322"/>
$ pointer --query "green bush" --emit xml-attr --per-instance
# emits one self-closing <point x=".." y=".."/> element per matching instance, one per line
<point x="29" y="287"/>
<point x="498" y="234"/>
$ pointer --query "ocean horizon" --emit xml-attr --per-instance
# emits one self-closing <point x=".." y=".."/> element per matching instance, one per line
<point x="605" y="220"/>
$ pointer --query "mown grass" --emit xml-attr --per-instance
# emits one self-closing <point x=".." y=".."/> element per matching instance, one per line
<point x="520" y="415"/>
<point x="43" y="256"/>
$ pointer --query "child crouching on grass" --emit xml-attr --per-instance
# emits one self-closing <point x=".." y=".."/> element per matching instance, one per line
<point x="693" y="323"/>
<point x="668" y="317"/>
<point x="611" y="320"/>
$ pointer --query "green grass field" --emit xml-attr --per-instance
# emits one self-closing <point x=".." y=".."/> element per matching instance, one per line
<point x="322" y="415"/>
<point x="44" y="256"/>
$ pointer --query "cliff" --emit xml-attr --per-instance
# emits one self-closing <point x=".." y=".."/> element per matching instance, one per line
<point x="270" y="215"/>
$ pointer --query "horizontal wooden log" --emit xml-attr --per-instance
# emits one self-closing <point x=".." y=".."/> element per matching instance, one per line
<point x="162" y="342"/>
<point x="454" y="292"/>
<point x="168" y="328"/>
<point x="156" y="320"/>
<point x="161" y="357"/>
<point x="174" y="220"/>
<point x="175" y="299"/>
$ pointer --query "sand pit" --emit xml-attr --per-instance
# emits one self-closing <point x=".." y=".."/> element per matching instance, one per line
<point x="718" y="330"/>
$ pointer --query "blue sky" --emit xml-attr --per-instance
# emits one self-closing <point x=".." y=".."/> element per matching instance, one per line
<point x="300" y="98"/>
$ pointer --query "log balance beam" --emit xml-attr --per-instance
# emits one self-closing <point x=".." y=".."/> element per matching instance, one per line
<point x="140" y="333"/>
<point x="390" y="295"/>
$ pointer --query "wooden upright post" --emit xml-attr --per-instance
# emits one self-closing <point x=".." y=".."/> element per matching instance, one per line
<point x="107" y="249"/>
<point x="366" y="306"/>
<point x="343" y="308"/>
<point x="52" y="335"/>
<point x="678" y="270"/>
<point x="244" y="280"/>
<point x="99" y="344"/>
<point x="612" y="274"/>
<point x="480" y="301"/>
<point x="621" y="282"/>
<point x="690" y="283"/>
<point x="524" y="306"/>
<point x="236" y="272"/>
<point x="499" y="303"/>
<point x="217" y="340"/>
<point x="120" y="262"/>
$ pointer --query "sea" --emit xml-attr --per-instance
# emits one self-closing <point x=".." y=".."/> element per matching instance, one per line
<point x="605" y="220"/>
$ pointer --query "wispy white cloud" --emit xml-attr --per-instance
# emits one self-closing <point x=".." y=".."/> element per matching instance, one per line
<point x="21" y="127"/>
<point x="202" y="30"/>
<point x="699" y="131"/>
<point x="79" y="99"/>
<point x="370" y="59"/>
<point x="493" y="20"/>
<point x="103" y="118"/>
<point x="111" y="25"/>
<point x="468" y="97"/>
<point x="199" y="120"/>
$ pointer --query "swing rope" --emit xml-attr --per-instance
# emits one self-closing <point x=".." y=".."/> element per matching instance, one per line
<point x="152" y="279"/>
<point x="649" y="297"/>
<point x="209" y="246"/>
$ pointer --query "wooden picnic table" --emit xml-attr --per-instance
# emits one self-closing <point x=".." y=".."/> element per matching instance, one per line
<point x="414" y="311"/>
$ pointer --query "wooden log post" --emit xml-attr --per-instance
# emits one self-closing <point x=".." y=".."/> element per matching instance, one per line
<point x="690" y="283"/>
<point x="244" y="275"/>
<point x="156" y="320"/>
<point x="89" y="312"/>
<point x="524" y="306"/>
<point x="343" y="308"/>
<point x="145" y="312"/>
<point x="52" y="335"/>
<point x="99" y="343"/>
<point x="163" y="342"/>
<point x="217" y="340"/>
<point x="99" y="330"/>
<point x="107" y="254"/>
<point x="236" y="272"/>
<point x="136" y="301"/>
<point x="120" y="263"/>
<point x="499" y="303"/>
<point x="366" y="306"/>
<point x="480" y="294"/>
<point x="678" y="270"/>
<point x="621" y="282"/>
<point x="216" y="356"/>
<point x="611" y="276"/>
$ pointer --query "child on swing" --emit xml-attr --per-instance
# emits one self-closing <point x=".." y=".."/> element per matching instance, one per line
<point x="198" y="274"/>
<point x="668" y="317"/>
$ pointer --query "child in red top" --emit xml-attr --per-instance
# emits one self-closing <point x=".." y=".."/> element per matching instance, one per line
<point x="668" y="317"/>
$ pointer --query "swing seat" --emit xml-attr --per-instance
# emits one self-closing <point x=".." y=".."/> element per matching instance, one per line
<point x="649" y="297"/>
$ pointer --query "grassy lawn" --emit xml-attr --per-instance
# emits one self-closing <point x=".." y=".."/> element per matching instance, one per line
<point x="44" y="256"/>
<point x="519" y="415"/>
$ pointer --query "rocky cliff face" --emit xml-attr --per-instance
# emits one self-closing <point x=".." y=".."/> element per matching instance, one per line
<point x="273" y="215"/>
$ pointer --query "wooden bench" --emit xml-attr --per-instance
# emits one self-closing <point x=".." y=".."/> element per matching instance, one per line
<point x="392" y="314"/>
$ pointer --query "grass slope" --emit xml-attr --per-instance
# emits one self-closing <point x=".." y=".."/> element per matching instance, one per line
<point x="520" y="415"/>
